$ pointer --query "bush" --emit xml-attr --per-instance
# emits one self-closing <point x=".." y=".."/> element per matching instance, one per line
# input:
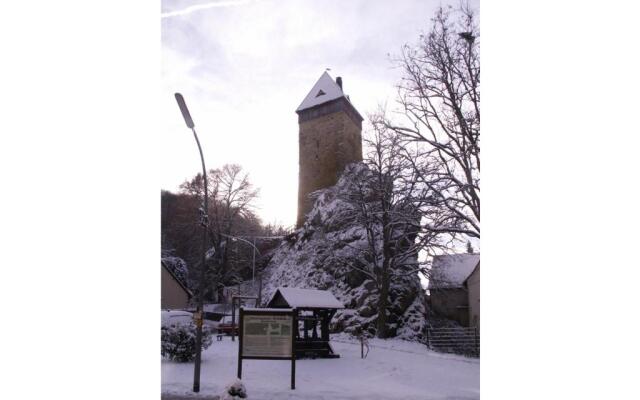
<point x="179" y="341"/>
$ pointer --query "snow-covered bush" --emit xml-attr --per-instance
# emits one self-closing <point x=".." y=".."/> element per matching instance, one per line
<point x="234" y="391"/>
<point x="179" y="341"/>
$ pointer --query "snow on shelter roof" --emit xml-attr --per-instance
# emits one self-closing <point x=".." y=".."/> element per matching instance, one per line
<point x="307" y="298"/>
<point x="323" y="91"/>
<point x="273" y="310"/>
<point x="451" y="270"/>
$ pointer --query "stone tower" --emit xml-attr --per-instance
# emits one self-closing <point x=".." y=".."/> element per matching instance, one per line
<point x="330" y="138"/>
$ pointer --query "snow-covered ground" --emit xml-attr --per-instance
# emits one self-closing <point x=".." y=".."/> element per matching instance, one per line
<point x="394" y="369"/>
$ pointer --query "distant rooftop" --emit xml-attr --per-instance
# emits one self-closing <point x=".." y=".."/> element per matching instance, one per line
<point x="451" y="270"/>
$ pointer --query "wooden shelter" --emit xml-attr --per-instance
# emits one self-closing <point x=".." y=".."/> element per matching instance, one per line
<point x="314" y="310"/>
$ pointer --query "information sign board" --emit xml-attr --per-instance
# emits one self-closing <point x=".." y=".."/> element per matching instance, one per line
<point x="267" y="334"/>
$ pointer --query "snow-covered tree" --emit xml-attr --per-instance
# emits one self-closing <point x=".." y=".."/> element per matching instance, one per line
<point x="389" y="203"/>
<point x="439" y="107"/>
<point x="331" y="251"/>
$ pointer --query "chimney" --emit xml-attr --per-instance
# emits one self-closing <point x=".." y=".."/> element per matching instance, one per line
<point x="339" y="82"/>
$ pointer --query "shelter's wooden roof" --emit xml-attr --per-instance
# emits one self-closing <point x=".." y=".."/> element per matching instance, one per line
<point x="304" y="298"/>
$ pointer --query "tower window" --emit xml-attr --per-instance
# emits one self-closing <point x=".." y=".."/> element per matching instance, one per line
<point x="320" y="93"/>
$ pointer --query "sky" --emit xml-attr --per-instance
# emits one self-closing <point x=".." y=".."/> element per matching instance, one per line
<point x="244" y="66"/>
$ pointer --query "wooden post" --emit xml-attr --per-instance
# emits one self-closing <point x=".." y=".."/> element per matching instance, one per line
<point x="361" y="346"/>
<point x="293" y="348"/>
<point x="428" y="340"/>
<point x="240" y="345"/>
<point x="233" y="318"/>
<point x="305" y="326"/>
<point x="324" y="326"/>
<point x="314" y="332"/>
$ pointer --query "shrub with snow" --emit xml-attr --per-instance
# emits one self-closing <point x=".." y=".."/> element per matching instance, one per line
<point x="234" y="391"/>
<point x="179" y="341"/>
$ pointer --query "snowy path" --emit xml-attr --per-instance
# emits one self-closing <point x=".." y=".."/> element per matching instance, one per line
<point x="394" y="369"/>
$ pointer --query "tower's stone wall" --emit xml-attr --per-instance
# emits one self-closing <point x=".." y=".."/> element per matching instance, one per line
<point x="330" y="138"/>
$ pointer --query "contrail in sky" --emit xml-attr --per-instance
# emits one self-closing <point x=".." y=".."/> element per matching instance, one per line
<point x="197" y="7"/>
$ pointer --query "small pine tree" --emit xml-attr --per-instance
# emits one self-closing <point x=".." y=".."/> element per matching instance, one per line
<point x="469" y="247"/>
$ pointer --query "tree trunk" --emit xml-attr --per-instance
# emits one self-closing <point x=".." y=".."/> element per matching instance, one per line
<point x="383" y="301"/>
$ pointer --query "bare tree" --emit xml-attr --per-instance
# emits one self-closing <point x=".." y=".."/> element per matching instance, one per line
<point x="234" y="196"/>
<point x="231" y="212"/>
<point x="439" y="98"/>
<point x="388" y="203"/>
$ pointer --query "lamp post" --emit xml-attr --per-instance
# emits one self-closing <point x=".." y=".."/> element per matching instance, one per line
<point x="253" y="283"/>
<point x="253" y="273"/>
<point x="204" y="222"/>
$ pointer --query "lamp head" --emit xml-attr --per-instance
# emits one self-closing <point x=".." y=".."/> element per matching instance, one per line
<point x="184" y="110"/>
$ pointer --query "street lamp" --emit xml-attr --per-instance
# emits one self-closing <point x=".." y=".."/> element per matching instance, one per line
<point x="204" y="222"/>
<point x="233" y="238"/>
<point x="253" y="273"/>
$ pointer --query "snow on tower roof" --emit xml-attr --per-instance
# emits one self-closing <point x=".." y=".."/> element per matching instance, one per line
<point x="323" y="91"/>
<point x="451" y="270"/>
<point x="308" y="298"/>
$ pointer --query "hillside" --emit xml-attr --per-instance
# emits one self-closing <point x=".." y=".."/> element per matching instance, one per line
<point x="318" y="254"/>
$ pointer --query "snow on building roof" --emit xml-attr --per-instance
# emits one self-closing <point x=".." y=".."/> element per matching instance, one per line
<point x="167" y="264"/>
<point x="218" y="308"/>
<point x="451" y="270"/>
<point x="323" y="91"/>
<point x="307" y="298"/>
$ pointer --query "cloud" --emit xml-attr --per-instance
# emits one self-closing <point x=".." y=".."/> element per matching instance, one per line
<point x="244" y="67"/>
<point x="198" y="7"/>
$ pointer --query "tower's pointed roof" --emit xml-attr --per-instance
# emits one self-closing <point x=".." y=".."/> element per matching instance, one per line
<point x="326" y="89"/>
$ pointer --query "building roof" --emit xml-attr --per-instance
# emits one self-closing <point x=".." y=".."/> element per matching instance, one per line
<point x="182" y="284"/>
<point x="216" y="308"/>
<point x="477" y="267"/>
<point x="307" y="298"/>
<point x="450" y="271"/>
<point x="323" y="91"/>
